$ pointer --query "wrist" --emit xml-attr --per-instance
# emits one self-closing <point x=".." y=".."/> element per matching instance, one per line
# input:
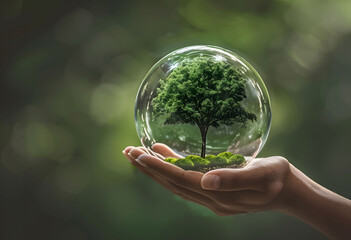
<point x="296" y="191"/>
<point x="326" y="211"/>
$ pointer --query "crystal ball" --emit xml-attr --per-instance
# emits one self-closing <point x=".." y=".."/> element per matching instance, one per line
<point x="203" y="100"/>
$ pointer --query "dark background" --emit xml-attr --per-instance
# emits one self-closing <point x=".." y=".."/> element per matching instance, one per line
<point x="70" y="71"/>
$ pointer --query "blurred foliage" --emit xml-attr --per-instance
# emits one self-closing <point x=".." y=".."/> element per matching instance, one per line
<point x="71" y="71"/>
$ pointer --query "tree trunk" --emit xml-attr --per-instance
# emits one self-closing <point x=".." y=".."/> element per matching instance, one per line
<point x="203" y="131"/>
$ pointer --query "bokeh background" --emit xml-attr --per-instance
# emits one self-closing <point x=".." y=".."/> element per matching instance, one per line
<point x="70" y="71"/>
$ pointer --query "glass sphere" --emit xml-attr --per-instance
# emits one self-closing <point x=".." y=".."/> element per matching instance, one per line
<point x="203" y="95"/>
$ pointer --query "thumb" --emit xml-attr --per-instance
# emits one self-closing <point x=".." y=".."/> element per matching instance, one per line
<point x="234" y="179"/>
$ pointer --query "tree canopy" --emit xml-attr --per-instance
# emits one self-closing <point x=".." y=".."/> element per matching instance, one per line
<point x="203" y="92"/>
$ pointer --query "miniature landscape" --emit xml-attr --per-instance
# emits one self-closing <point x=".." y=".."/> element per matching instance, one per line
<point x="210" y="162"/>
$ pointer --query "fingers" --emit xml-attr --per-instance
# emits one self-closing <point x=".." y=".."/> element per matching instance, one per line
<point x="187" y="194"/>
<point x="225" y="191"/>
<point x="235" y="179"/>
<point x="178" y="190"/>
<point x="145" y="150"/>
<point x="134" y="153"/>
<point x="190" y="180"/>
<point x="187" y="184"/>
<point x="195" y="197"/>
<point x="187" y="179"/>
<point x="165" y="151"/>
<point x="163" y="169"/>
<point x="126" y="151"/>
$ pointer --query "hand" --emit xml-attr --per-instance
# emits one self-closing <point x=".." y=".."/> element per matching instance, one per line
<point x="255" y="187"/>
<point x="263" y="184"/>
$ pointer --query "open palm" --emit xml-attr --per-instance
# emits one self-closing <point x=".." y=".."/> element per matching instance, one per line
<point x="255" y="187"/>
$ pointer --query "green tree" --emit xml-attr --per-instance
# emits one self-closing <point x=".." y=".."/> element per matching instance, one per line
<point x="202" y="92"/>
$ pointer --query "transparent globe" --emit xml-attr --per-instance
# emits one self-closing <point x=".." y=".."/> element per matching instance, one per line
<point x="243" y="130"/>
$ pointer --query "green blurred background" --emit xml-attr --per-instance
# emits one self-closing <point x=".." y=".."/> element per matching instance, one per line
<point x="70" y="71"/>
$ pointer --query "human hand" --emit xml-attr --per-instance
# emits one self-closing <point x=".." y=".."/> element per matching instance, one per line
<point x="256" y="187"/>
<point x="263" y="184"/>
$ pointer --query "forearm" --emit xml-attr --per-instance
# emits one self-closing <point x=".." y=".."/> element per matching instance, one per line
<point x="328" y="212"/>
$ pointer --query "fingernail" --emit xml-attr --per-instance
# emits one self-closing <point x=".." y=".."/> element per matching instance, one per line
<point x="123" y="151"/>
<point x="138" y="160"/>
<point x="210" y="182"/>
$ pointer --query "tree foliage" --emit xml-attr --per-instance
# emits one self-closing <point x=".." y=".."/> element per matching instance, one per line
<point x="203" y="92"/>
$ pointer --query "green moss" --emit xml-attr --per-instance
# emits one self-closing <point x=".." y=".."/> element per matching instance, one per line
<point x="211" y="158"/>
<point x="210" y="162"/>
<point x="184" y="163"/>
<point x="225" y="155"/>
<point x="218" y="161"/>
<point x="222" y="159"/>
<point x="236" y="159"/>
<point x="197" y="161"/>
<point x="171" y="160"/>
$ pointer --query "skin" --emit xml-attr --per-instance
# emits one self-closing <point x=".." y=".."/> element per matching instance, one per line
<point x="263" y="184"/>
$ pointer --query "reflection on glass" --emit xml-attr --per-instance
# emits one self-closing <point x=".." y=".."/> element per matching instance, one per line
<point x="244" y="137"/>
